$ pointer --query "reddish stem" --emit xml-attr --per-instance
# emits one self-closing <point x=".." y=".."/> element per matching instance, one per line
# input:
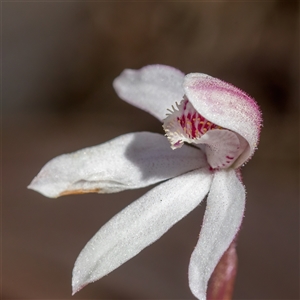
<point x="221" y="283"/>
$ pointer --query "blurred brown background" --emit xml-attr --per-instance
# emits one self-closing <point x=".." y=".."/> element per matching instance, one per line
<point x="59" y="60"/>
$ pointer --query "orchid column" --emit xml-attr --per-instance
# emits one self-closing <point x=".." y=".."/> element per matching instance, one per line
<point x="212" y="128"/>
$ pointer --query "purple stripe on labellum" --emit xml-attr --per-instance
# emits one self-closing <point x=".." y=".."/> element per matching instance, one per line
<point x="185" y="124"/>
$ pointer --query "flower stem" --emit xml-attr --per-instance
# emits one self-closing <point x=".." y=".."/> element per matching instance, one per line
<point x="221" y="283"/>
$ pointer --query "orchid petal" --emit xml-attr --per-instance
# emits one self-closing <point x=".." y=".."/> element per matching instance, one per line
<point x="139" y="225"/>
<point x="226" y="106"/>
<point x="222" y="147"/>
<point x="222" y="220"/>
<point x="129" y="161"/>
<point x="154" y="88"/>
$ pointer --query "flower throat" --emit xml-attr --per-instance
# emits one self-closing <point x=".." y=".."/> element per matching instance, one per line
<point x="185" y="124"/>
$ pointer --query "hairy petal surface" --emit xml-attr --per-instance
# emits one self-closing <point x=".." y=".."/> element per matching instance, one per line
<point x="226" y="106"/>
<point x="154" y="88"/>
<point x="222" y="220"/>
<point x="129" y="161"/>
<point x="139" y="225"/>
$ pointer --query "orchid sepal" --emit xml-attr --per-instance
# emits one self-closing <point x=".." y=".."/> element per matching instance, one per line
<point x="226" y="106"/>
<point x="139" y="225"/>
<point x="222" y="220"/>
<point x="144" y="157"/>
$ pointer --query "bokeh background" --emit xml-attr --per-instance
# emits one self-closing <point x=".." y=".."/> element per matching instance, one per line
<point x="58" y="63"/>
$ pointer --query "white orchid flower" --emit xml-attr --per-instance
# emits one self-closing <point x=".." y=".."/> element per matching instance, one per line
<point x="215" y="125"/>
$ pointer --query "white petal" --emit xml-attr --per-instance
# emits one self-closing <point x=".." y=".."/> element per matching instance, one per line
<point x="226" y="106"/>
<point x="222" y="147"/>
<point x="139" y="225"/>
<point x="154" y="88"/>
<point x="222" y="220"/>
<point x="130" y="161"/>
